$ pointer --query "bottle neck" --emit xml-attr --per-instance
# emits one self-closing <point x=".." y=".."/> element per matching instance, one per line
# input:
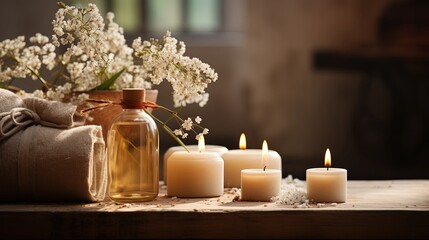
<point x="131" y="110"/>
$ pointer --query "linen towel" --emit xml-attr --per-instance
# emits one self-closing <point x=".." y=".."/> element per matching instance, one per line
<point x="44" y="157"/>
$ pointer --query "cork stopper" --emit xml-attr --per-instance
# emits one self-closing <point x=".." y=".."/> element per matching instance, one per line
<point x="132" y="98"/>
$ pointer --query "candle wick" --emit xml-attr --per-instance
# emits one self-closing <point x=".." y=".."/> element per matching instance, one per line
<point x="327" y="168"/>
<point x="264" y="168"/>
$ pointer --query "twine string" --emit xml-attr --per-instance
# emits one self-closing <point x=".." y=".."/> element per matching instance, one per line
<point x="19" y="118"/>
<point x="15" y="120"/>
<point x="108" y="103"/>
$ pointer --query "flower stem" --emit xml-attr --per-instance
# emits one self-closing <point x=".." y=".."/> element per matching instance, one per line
<point x="166" y="128"/>
<point x="43" y="81"/>
<point x="172" y="112"/>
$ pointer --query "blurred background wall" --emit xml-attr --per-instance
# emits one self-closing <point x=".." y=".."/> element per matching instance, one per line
<point x="305" y="75"/>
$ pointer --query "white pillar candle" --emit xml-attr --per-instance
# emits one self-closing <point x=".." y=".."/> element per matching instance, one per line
<point x="327" y="184"/>
<point x="260" y="184"/>
<point x="195" y="174"/>
<point x="208" y="148"/>
<point x="239" y="159"/>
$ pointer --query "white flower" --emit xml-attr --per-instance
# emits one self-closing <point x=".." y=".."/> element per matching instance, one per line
<point x="178" y="132"/>
<point x="79" y="99"/>
<point x="55" y="94"/>
<point x="55" y="40"/>
<point x="205" y="131"/>
<point x="37" y="93"/>
<point x="39" y="39"/>
<point x="198" y="136"/>
<point x="164" y="60"/>
<point x="95" y="50"/>
<point x="187" y="124"/>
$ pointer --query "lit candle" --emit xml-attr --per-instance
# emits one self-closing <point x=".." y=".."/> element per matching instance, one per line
<point x="260" y="184"/>
<point x="208" y="148"/>
<point x="195" y="174"/>
<point x="327" y="184"/>
<point x="239" y="159"/>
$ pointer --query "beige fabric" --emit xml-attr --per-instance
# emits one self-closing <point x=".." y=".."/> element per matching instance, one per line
<point x="57" y="113"/>
<point x="56" y="162"/>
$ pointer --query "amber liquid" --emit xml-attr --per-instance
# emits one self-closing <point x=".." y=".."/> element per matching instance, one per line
<point x="133" y="162"/>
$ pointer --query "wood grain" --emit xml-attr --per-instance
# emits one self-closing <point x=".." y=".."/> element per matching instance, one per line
<point x="374" y="209"/>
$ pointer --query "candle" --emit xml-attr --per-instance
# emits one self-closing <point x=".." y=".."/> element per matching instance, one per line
<point x="260" y="184"/>
<point x="327" y="184"/>
<point x="195" y="174"/>
<point x="208" y="148"/>
<point x="239" y="159"/>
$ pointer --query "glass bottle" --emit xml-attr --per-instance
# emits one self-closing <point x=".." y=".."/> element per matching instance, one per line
<point x="133" y="148"/>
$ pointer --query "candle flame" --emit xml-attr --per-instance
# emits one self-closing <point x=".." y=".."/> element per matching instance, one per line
<point x="328" y="158"/>
<point x="242" y="143"/>
<point x="201" y="144"/>
<point x="265" y="154"/>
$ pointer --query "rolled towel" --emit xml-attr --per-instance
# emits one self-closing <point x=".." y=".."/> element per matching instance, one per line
<point x="48" y="159"/>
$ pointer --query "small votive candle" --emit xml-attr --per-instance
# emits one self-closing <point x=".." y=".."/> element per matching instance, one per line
<point x="260" y="184"/>
<point x="239" y="159"/>
<point x="328" y="185"/>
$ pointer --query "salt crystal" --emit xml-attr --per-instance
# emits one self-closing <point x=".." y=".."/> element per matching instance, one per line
<point x="289" y="179"/>
<point x="235" y="190"/>
<point x="292" y="192"/>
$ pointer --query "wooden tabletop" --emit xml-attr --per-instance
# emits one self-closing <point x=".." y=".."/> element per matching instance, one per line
<point x="374" y="209"/>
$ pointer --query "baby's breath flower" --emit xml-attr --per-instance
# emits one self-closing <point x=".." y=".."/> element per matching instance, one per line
<point x="79" y="99"/>
<point x="164" y="60"/>
<point x="95" y="51"/>
<point x="205" y="131"/>
<point x="178" y="132"/>
<point x="38" y="93"/>
<point x="198" y="136"/>
<point x="187" y="124"/>
<point x="39" y="39"/>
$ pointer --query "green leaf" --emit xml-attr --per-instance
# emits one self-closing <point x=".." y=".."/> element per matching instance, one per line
<point x="109" y="82"/>
<point x="3" y="85"/>
<point x="61" y="5"/>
